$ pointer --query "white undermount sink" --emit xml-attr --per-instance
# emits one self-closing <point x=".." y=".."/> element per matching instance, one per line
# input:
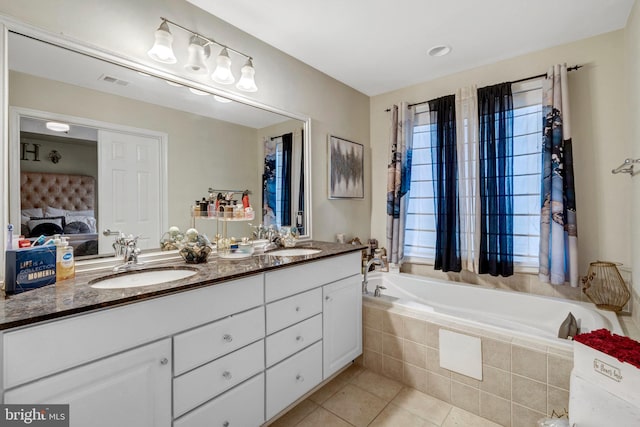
<point x="136" y="278"/>
<point x="294" y="252"/>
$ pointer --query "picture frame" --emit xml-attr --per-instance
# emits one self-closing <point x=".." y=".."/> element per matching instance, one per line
<point x="346" y="168"/>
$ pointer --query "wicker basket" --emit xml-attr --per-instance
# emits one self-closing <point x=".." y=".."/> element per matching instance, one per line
<point x="605" y="287"/>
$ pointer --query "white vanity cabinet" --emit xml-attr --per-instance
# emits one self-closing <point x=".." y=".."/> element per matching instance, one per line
<point x="114" y="366"/>
<point x="234" y="353"/>
<point x="314" y="326"/>
<point x="129" y="389"/>
<point x="342" y="323"/>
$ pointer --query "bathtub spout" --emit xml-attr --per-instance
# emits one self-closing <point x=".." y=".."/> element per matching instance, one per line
<point x="365" y="280"/>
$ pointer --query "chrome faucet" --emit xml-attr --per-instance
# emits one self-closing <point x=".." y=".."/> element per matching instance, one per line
<point x="365" y="280"/>
<point x="125" y="246"/>
<point x="378" y="290"/>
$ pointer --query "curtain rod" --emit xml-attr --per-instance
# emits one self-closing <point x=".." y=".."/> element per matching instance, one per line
<point x="575" y="67"/>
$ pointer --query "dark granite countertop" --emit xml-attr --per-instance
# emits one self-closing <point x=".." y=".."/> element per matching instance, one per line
<point x="75" y="296"/>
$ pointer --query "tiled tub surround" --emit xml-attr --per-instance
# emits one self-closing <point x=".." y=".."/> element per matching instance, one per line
<point x="523" y="379"/>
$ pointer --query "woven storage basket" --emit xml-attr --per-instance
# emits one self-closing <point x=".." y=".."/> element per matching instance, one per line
<point x="605" y="287"/>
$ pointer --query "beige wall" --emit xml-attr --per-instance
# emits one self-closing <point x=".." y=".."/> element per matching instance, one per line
<point x="202" y="152"/>
<point x="632" y="95"/>
<point x="79" y="158"/>
<point x="598" y="117"/>
<point x="126" y="28"/>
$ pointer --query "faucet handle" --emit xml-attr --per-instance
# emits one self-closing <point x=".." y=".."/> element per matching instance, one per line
<point x="377" y="292"/>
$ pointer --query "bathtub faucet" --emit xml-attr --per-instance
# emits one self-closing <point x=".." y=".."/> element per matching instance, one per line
<point x="365" y="280"/>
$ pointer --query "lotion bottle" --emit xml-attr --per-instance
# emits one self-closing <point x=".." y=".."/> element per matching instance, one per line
<point x="65" y="264"/>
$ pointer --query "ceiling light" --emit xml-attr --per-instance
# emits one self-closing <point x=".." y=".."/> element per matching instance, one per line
<point x="57" y="126"/>
<point x="222" y="74"/>
<point x="247" y="82"/>
<point x="199" y="92"/>
<point x="198" y="52"/>
<point x="221" y="99"/>
<point x="162" y="50"/>
<point x="440" y="50"/>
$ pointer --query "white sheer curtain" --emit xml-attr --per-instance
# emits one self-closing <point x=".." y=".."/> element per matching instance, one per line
<point x="468" y="185"/>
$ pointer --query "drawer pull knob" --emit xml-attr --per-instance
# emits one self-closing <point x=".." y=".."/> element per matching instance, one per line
<point x="164" y="361"/>
<point x="226" y="375"/>
<point x="299" y="378"/>
<point x="226" y="424"/>
<point x="299" y="338"/>
<point x="227" y="337"/>
<point x="297" y="308"/>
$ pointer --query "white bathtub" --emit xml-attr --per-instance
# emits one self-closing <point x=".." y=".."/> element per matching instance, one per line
<point x="503" y="311"/>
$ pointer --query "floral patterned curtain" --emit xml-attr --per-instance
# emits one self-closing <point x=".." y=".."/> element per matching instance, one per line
<point x="558" y="226"/>
<point x="398" y="178"/>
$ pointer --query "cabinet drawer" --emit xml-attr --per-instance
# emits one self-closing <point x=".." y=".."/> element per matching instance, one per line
<point x="288" y="341"/>
<point x="201" y="345"/>
<point x="241" y="406"/>
<point x="36" y="351"/>
<point x="200" y="385"/>
<point x="281" y="314"/>
<point x="292" y="378"/>
<point x="288" y="281"/>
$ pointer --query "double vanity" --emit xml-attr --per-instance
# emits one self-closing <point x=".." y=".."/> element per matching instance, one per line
<point x="232" y="345"/>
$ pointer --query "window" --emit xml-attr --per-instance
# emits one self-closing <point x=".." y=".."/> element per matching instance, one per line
<point x="420" y="235"/>
<point x="420" y="226"/>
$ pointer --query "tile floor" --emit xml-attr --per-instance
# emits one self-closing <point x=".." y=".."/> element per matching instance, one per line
<point x="360" y="397"/>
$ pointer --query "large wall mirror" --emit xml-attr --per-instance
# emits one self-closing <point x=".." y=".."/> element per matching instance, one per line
<point x="134" y="152"/>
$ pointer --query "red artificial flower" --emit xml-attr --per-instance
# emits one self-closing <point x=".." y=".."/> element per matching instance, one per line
<point x="622" y="348"/>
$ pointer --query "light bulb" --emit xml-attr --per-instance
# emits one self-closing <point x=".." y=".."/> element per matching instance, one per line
<point x="161" y="50"/>
<point x="222" y="74"/>
<point x="247" y="82"/>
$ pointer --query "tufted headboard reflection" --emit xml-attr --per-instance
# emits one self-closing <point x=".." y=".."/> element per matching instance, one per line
<point x="58" y="190"/>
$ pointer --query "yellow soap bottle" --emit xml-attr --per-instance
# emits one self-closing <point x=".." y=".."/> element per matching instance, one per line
<point x="65" y="264"/>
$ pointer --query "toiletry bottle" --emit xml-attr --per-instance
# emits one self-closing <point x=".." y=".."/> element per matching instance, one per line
<point x="245" y="199"/>
<point x="10" y="236"/>
<point x="65" y="264"/>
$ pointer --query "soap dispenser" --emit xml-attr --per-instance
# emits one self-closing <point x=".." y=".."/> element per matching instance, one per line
<point x="65" y="264"/>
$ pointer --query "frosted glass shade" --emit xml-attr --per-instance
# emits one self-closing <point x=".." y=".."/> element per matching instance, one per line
<point x="247" y="82"/>
<point x="197" y="56"/>
<point x="222" y="74"/>
<point x="162" y="50"/>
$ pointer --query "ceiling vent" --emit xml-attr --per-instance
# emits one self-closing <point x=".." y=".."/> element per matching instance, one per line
<point x="111" y="79"/>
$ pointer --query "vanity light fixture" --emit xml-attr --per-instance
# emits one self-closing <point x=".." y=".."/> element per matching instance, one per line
<point x="162" y="50"/>
<point x="198" y="52"/>
<point x="247" y="82"/>
<point x="57" y="126"/>
<point x="223" y="73"/>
